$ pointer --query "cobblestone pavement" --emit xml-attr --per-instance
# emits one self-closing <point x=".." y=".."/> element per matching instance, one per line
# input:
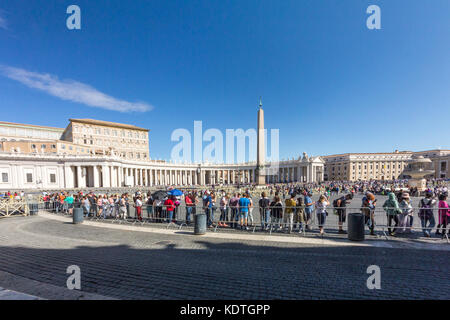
<point x="138" y="265"/>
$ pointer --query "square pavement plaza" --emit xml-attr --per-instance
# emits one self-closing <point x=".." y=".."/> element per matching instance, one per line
<point x="125" y="263"/>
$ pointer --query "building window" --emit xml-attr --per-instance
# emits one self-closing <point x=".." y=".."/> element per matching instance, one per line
<point x="29" y="177"/>
<point x="43" y="146"/>
<point x="33" y="146"/>
<point x="443" y="166"/>
<point x="4" y="177"/>
<point x="53" y="146"/>
<point x="52" y="178"/>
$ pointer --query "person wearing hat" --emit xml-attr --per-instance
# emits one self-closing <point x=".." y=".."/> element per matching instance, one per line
<point x="405" y="206"/>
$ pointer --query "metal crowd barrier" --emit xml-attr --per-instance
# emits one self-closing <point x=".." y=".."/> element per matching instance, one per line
<point x="9" y="208"/>
<point x="303" y="221"/>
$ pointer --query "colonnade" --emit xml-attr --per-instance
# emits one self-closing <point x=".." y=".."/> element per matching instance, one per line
<point x="96" y="176"/>
<point x="113" y="175"/>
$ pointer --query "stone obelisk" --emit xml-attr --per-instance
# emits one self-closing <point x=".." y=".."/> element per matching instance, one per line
<point x="260" y="159"/>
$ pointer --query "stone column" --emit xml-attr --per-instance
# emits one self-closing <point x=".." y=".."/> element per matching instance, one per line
<point x="114" y="174"/>
<point x="96" y="176"/>
<point x="79" y="178"/>
<point x="105" y="176"/>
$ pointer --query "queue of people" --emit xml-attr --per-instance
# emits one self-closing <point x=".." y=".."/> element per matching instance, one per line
<point x="285" y="207"/>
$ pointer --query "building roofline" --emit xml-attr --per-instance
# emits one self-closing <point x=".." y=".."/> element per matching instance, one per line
<point x="390" y="153"/>
<point x="446" y="150"/>
<point x="13" y="124"/>
<point x="365" y="153"/>
<point x="108" y="124"/>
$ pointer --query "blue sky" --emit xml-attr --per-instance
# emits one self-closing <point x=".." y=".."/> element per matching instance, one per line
<point x="328" y="83"/>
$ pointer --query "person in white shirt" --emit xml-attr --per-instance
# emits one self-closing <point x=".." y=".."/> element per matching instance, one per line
<point x="321" y="212"/>
<point x="138" y="205"/>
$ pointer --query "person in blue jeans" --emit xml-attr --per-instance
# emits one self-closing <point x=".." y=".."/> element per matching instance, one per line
<point x="244" y="204"/>
<point x="234" y="205"/>
<point x="426" y="215"/>
<point x="309" y="208"/>
<point x="190" y="203"/>
<point x="208" y="204"/>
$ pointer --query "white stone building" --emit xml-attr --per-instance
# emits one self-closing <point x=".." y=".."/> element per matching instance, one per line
<point x="56" y="171"/>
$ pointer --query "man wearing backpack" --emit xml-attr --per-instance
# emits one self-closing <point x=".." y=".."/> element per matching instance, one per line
<point x="426" y="213"/>
<point x="339" y="205"/>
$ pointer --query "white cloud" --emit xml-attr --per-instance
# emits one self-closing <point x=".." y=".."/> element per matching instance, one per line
<point x="72" y="90"/>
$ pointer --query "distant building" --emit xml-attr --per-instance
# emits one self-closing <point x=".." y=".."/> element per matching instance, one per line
<point x="380" y="166"/>
<point x="81" y="136"/>
<point x="109" y="138"/>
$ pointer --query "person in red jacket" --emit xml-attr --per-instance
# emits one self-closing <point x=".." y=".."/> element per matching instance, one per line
<point x="170" y="207"/>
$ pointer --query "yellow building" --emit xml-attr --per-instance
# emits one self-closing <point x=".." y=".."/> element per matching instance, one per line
<point x="380" y="166"/>
<point x="365" y="166"/>
<point x="109" y="138"/>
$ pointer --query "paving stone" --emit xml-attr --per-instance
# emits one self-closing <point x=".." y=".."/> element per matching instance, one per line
<point x="130" y="265"/>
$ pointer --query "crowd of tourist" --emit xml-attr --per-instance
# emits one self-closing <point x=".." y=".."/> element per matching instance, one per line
<point x="281" y="207"/>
